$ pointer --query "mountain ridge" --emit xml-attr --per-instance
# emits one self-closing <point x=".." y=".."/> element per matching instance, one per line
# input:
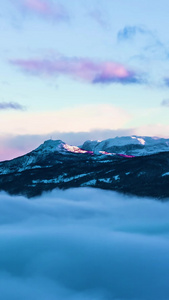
<point x="55" y="164"/>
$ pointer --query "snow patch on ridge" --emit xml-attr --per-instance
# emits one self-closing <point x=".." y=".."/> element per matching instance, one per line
<point x="74" y="149"/>
<point x="141" y="140"/>
<point x="89" y="183"/>
<point x="60" y="178"/>
<point x="106" y="180"/>
<point x="116" y="177"/>
<point x="165" y="174"/>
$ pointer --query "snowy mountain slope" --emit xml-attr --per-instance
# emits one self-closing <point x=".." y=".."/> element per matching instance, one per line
<point x="39" y="157"/>
<point x="130" y="145"/>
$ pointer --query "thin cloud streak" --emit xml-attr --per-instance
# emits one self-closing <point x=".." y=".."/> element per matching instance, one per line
<point x="80" y="68"/>
<point x="11" y="105"/>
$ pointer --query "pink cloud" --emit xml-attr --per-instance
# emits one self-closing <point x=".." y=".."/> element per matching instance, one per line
<point x="44" y="8"/>
<point x="79" y="68"/>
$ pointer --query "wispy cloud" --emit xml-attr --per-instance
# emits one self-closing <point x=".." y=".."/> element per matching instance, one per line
<point x="43" y="8"/>
<point x="129" y="32"/>
<point x="148" y="43"/>
<point x="82" y="69"/>
<point x="98" y="17"/>
<point x="165" y="103"/>
<point x="166" y="81"/>
<point x="11" y="105"/>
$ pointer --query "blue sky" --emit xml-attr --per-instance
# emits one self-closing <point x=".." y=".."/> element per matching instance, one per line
<point x="76" y="67"/>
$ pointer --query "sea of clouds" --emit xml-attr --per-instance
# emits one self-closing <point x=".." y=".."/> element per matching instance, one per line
<point x="83" y="244"/>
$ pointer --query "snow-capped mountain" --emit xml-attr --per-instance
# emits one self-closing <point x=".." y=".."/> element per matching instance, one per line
<point x="45" y="153"/>
<point x="129" y="145"/>
<point x="111" y="164"/>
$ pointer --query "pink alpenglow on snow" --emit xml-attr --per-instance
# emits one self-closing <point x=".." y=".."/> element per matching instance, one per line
<point x="76" y="149"/>
<point x="109" y="153"/>
<point x="45" y="8"/>
<point x="124" y="155"/>
<point x="80" y="68"/>
<point x="106" y="153"/>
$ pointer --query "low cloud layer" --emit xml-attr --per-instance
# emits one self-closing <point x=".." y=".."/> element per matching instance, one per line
<point x="80" y="68"/>
<point x="84" y="244"/>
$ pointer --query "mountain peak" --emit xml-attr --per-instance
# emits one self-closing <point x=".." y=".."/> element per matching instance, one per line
<point x="50" y="146"/>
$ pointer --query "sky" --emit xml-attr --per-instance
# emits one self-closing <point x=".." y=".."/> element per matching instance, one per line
<point x="83" y="244"/>
<point x="77" y="70"/>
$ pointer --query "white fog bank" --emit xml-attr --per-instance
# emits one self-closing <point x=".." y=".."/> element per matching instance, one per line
<point x="83" y="244"/>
